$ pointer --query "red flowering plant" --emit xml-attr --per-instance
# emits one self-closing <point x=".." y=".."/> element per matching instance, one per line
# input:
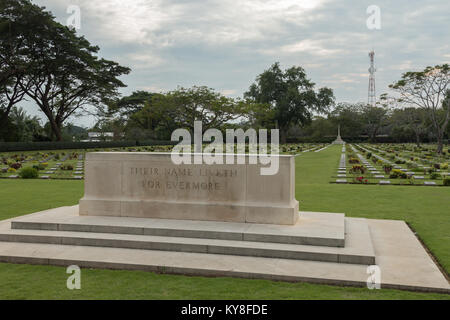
<point x="361" y="179"/>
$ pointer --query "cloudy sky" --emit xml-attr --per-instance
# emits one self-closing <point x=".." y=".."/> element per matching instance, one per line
<point x="225" y="44"/>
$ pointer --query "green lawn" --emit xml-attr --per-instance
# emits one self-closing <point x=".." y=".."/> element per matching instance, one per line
<point x="423" y="207"/>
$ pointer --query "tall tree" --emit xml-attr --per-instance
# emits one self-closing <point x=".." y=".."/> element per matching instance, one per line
<point x="198" y="104"/>
<point x="374" y="118"/>
<point x="291" y="95"/>
<point x="128" y="105"/>
<point x="349" y="116"/>
<point x="63" y="74"/>
<point x="26" y="126"/>
<point x="427" y="89"/>
<point x="13" y="61"/>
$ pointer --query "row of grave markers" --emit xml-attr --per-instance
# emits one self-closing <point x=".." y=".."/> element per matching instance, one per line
<point x="77" y="173"/>
<point x="342" y="170"/>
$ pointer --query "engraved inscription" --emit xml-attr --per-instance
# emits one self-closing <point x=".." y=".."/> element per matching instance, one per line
<point x="152" y="178"/>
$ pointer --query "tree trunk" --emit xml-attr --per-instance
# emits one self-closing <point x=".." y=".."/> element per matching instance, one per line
<point x="283" y="135"/>
<point x="440" y="142"/>
<point x="417" y="139"/>
<point x="56" y="129"/>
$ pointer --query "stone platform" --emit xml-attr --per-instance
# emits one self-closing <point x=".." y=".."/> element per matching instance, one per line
<point x="321" y="247"/>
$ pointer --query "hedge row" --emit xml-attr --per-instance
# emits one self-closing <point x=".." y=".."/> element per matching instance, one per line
<point x="51" y="145"/>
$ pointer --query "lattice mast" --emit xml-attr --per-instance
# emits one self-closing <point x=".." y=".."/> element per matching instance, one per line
<point x="372" y="99"/>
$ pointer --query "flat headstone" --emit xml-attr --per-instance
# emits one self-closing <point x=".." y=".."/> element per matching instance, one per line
<point x="13" y="177"/>
<point x="341" y="181"/>
<point x="53" y="169"/>
<point x="419" y="177"/>
<point x="342" y="175"/>
<point x="410" y="172"/>
<point x="397" y="167"/>
<point x="49" y="172"/>
<point x="404" y="170"/>
<point x="429" y="183"/>
<point x="379" y="176"/>
<point x="384" y="182"/>
<point x="78" y="177"/>
<point x="78" y="172"/>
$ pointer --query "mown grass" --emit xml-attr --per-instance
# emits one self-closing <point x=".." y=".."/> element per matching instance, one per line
<point x="19" y="197"/>
<point x="48" y="282"/>
<point x="425" y="208"/>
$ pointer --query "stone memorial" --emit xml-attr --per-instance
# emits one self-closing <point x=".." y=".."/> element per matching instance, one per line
<point x="338" y="138"/>
<point x="150" y="185"/>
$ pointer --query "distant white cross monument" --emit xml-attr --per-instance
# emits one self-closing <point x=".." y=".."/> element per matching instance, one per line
<point x="338" y="138"/>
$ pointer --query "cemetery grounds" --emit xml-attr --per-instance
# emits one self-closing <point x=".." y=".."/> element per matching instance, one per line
<point x="377" y="181"/>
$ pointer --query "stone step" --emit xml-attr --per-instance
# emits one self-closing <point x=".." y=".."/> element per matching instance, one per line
<point x="358" y="249"/>
<point x="184" y="263"/>
<point x="403" y="262"/>
<point x="312" y="228"/>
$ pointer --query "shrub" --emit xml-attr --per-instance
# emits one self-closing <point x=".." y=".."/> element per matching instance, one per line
<point x="28" y="173"/>
<point x="437" y="166"/>
<point x="446" y="182"/>
<point x="444" y="166"/>
<point x="15" y="165"/>
<point x="11" y="170"/>
<point x="397" y="173"/>
<point x="353" y="160"/>
<point x="67" y="167"/>
<point x="369" y="155"/>
<point x="358" y="169"/>
<point x="387" y="168"/>
<point x="434" y="175"/>
<point x="39" y="166"/>
<point x="410" y="164"/>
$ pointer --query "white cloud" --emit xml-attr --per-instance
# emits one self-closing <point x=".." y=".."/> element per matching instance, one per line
<point x="166" y="22"/>
<point x="316" y="47"/>
<point x="142" y="60"/>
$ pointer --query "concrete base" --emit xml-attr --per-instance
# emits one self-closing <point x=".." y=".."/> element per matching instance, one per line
<point x="60" y="237"/>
